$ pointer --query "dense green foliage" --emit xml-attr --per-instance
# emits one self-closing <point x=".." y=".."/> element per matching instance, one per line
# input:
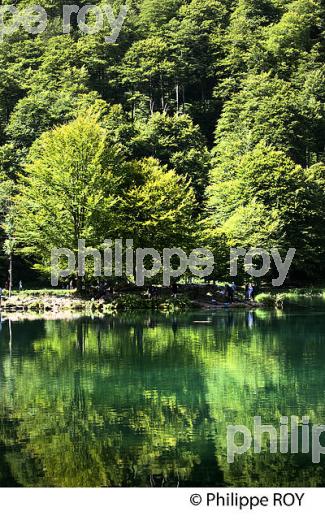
<point x="202" y="124"/>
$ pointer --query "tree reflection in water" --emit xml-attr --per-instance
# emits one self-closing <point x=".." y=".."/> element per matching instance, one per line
<point x="145" y="400"/>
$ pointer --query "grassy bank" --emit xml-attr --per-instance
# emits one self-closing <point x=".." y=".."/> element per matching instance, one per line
<point x="293" y="297"/>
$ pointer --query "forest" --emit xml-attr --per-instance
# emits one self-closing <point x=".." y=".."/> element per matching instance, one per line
<point x="202" y="125"/>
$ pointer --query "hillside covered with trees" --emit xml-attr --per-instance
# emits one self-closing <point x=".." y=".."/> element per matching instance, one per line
<point x="203" y="124"/>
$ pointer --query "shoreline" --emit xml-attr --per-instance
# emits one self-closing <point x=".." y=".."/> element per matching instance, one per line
<point x="57" y="304"/>
<point x="62" y="301"/>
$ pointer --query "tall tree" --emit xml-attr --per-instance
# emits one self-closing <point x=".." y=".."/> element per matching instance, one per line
<point x="266" y="200"/>
<point x="64" y="195"/>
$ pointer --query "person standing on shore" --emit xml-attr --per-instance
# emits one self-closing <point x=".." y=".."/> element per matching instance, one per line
<point x="229" y="293"/>
<point x="174" y="289"/>
<point x="250" y="292"/>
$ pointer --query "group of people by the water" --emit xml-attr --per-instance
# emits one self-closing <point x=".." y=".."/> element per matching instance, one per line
<point x="229" y="292"/>
<point x="152" y="291"/>
<point x="7" y="285"/>
<point x="6" y="288"/>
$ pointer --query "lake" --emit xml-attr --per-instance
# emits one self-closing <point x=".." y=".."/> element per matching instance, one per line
<point x="145" y="399"/>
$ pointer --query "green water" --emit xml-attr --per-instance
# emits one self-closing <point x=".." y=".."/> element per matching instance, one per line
<point x="145" y="400"/>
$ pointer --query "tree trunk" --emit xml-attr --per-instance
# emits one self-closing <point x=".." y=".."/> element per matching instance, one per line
<point x="162" y="93"/>
<point x="10" y="274"/>
<point x="177" y="98"/>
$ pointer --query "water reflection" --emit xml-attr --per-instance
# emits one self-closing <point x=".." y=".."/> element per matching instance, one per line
<point x="144" y="400"/>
